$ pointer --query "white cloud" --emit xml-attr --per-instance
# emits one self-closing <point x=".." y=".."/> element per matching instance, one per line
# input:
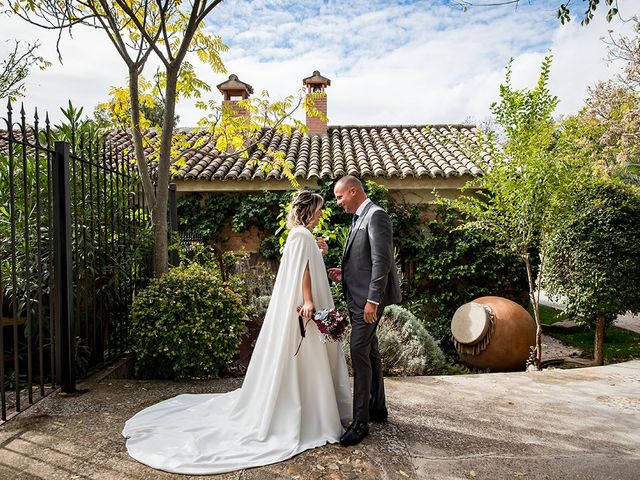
<point x="389" y="63"/>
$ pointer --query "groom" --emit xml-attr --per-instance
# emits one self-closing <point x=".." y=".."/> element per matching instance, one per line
<point x="369" y="283"/>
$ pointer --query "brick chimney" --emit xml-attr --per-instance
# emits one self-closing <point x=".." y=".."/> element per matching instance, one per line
<point x="234" y="90"/>
<point x="316" y="84"/>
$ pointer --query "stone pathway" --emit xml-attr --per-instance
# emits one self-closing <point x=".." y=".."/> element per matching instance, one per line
<point x="629" y="322"/>
<point x="577" y="424"/>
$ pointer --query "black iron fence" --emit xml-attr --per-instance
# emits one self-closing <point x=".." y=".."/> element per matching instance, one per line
<point x="75" y="246"/>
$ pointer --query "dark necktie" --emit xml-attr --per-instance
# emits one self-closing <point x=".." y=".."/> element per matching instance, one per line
<point x="353" y="227"/>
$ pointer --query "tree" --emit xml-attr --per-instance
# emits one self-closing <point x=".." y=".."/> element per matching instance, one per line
<point x="15" y="68"/>
<point x="593" y="257"/>
<point x="116" y="112"/>
<point x="513" y="198"/>
<point x="563" y="13"/>
<point x="605" y="133"/>
<point x="627" y="49"/>
<point x="170" y="29"/>
<point x="167" y="28"/>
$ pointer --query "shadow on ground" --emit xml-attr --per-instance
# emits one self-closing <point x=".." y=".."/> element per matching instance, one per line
<point x="556" y="424"/>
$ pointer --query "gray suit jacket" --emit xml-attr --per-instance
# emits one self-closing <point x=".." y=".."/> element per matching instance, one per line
<point x="368" y="267"/>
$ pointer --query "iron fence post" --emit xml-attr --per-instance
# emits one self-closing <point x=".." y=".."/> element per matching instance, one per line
<point x="63" y="271"/>
<point x="173" y="223"/>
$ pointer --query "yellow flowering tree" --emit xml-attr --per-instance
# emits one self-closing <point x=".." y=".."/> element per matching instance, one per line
<point x="170" y="30"/>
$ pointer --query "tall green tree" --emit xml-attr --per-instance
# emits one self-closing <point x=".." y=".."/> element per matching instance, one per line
<point x="170" y="30"/>
<point x="593" y="255"/>
<point x="522" y="175"/>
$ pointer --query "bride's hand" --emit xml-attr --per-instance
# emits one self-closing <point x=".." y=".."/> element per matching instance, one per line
<point x="322" y="245"/>
<point x="307" y="309"/>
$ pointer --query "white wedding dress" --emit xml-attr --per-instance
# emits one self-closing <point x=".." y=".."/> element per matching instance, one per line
<point x="287" y="404"/>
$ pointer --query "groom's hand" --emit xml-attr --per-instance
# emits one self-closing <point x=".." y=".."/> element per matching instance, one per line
<point x="335" y="274"/>
<point x="370" y="312"/>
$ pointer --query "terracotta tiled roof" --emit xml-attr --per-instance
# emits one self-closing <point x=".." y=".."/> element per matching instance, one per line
<point x="375" y="151"/>
<point x="17" y="137"/>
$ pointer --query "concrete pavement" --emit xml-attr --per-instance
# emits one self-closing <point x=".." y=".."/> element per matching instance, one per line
<point x="555" y="424"/>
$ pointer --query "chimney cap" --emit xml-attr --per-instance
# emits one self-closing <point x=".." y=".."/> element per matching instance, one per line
<point x="235" y="85"/>
<point x="316" y="79"/>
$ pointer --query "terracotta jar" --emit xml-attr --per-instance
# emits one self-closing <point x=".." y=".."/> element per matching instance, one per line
<point x="493" y="333"/>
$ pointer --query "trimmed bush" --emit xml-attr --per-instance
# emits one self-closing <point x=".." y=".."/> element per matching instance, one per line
<point x="594" y="255"/>
<point x="258" y="307"/>
<point x="186" y="324"/>
<point x="405" y="345"/>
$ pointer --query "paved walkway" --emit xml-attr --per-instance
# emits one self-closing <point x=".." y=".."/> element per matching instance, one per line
<point x="555" y="424"/>
<point x="627" y="322"/>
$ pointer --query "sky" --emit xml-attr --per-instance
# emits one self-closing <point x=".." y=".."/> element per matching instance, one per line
<point x="390" y="62"/>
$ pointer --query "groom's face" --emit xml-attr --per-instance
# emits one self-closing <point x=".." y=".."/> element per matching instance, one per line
<point x="346" y="197"/>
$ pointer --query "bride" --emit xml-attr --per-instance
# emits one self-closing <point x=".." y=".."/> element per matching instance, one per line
<point x="287" y="404"/>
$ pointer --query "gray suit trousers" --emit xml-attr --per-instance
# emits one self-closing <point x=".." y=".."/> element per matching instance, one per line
<point x="368" y="381"/>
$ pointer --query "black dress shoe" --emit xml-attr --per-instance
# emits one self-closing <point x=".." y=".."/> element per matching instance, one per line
<point x="355" y="433"/>
<point x="378" y="415"/>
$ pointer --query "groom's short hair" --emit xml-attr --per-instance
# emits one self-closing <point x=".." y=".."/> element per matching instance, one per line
<point x="350" y="181"/>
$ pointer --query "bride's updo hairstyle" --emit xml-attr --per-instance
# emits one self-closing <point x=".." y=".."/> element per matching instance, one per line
<point x="303" y="206"/>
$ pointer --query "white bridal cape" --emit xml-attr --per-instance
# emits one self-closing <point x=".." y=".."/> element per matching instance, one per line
<point x="286" y="404"/>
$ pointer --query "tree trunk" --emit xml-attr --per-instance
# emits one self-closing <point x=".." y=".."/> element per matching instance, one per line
<point x="159" y="215"/>
<point x="537" y="360"/>
<point x="143" y="168"/>
<point x="598" y="346"/>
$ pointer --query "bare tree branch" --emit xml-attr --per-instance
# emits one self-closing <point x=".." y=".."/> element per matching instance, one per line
<point x="15" y="69"/>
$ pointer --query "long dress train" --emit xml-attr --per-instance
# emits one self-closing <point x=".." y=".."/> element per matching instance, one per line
<point x="287" y="404"/>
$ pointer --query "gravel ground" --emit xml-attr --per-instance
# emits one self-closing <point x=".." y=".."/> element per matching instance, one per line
<point x="553" y="349"/>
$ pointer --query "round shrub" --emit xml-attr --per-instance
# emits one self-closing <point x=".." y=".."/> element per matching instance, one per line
<point x="185" y="324"/>
<point x="405" y="345"/>
<point x="594" y="255"/>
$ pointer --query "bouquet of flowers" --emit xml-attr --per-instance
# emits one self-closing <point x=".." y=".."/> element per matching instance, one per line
<point x="331" y="323"/>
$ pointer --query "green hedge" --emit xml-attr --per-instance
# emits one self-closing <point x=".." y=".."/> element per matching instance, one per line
<point x="186" y="324"/>
<point x="207" y="215"/>
<point x="594" y="251"/>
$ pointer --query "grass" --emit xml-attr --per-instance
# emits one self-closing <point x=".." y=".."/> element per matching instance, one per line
<point x="550" y="315"/>
<point x="619" y="345"/>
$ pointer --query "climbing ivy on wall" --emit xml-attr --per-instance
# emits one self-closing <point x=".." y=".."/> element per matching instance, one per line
<point x="208" y="214"/>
